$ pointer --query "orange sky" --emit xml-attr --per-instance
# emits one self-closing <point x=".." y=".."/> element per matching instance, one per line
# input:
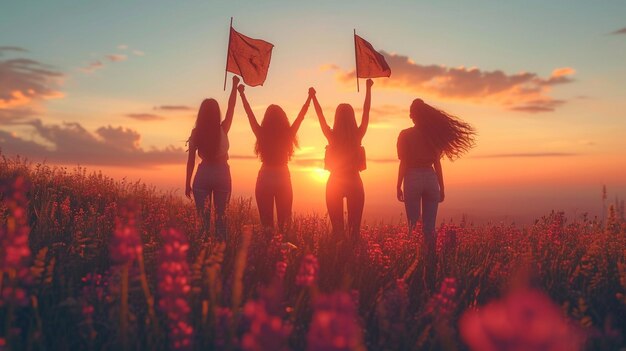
<point x="544" y="91"/>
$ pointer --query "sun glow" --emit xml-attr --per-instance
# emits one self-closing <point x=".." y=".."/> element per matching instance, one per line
<point x="319" y="174"/>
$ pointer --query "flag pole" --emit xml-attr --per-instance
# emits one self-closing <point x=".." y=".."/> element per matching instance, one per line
<point x="356" y="62"/>
<point x="228" y="51"/>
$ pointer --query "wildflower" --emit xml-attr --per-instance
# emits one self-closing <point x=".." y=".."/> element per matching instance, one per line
<point x="442" y="304"/>
<point x="309" y="270"/>
<point x="125" y="243"/>
<point x="174" y="287"/>
<point x="334" y="325"/>
<point x="267" y="332"/>
<point x="15" y="255"/>
<point x="525" y="320"/>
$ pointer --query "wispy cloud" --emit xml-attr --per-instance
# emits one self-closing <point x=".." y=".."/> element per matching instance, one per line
<point x="523" y="91"/>
<point x="11" y="48"/>
<point x="116" y="57"/>
<point x="111" y="58"/>
<point x="173" y="108"/>
<point x="528" y="155"/>
<point x="71" y="143"/>
<point x="620" y="31"/>
<point x="92" y="66"/>
<point x="145" y="116"/>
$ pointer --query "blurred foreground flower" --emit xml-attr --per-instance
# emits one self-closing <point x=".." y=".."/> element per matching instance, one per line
<point x="524" y="320"/>
<point x="15" y="254"/>
<point x="174" y="287"/>
<point x="267" y="332"/>
<point x="334" y="325"/>
<point x="309" y="270"/>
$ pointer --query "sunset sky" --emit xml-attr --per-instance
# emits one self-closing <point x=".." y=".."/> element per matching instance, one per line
<point x="115" y="86"/>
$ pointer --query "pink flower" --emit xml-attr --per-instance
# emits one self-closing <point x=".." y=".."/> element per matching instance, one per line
<point x="174" y="287"/>
<point x="524" y="320"/>
<point x="442" y="304"/>
<point x="335" y="324"/>
<point x="125" y="243"/>
<point x="266" y="332"/>
<point x="309" y="270"/>
<point x="15" y="254"/>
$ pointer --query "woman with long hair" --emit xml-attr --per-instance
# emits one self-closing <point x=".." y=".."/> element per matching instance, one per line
<point x="345" y="158"/>
<point x="212" y="184"/>
<point x="420" y="148"/>
<point x="275" y="142"/>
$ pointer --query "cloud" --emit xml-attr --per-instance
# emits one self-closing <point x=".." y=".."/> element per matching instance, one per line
<point x="145" y="116"/>
<point x="112" y="58"/>
<point x="173" y="108"/>
<point x="24" y="85"/>
<point x="528" y="155"/>
<point x="71" y="143"/>
<point x="620" y="31"/>
<point x="11" y="48"/>
<point x="519" y="92"/>
<point x="116" y="57"/>
<point x="92" y="67"/>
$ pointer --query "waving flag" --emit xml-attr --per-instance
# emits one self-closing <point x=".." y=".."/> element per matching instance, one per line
<point x="248" y="58"/>
<point x="369" y="62"/>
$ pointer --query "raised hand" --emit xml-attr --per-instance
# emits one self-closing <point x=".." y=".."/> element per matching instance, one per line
<point x="241" y="88"/>
<point x="311" y="91"/>
<point x="236" y="81"/>
<point x="369" y="83"/>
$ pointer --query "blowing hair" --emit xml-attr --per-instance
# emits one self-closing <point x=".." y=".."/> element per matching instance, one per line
<point x="446" y="133"/>
<point x="275" y="137"/>
<point x="206" y="133"/>
<point x="345" y="130"/>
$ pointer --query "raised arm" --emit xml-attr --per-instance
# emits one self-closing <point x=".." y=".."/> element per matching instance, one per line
<point x="320" y="114"/>
<point x="366" y="108"/>
<point x="191" y="163"/>
<point x="296" y="124"/>
<point x="230" y="111"/>
<point x="256" y="128"/>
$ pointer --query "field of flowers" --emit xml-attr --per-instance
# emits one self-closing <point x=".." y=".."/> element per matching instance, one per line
<point x="90" y="263"/>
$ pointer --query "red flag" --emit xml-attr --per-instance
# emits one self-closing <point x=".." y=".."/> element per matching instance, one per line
<point x="369" y="62"/>
<point x="249" y="58"/>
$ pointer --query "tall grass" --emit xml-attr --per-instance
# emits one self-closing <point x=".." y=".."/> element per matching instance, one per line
<point x="119" y="265"/>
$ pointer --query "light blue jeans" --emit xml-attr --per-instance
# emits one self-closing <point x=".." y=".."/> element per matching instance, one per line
<point x="212" y="182"/>
<point x="421" y="197"/>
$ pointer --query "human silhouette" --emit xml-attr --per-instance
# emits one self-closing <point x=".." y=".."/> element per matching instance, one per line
<point x="420" y="148"/>
<point x="212" y="183"/>
<point x="275" y="141"/>
<point x="345" y="158"/>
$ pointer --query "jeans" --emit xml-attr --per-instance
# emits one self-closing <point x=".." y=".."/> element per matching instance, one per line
<point x="212" y="182"/>
<point x="349" y="186"/>
<point x="421" y="193"/>
<point x="273" y="186"/>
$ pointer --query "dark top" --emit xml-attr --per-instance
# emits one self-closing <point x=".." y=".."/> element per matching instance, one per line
<point x="415" y="149"/>
<point x="341" y="158"/>
<point x="274" y="154"/>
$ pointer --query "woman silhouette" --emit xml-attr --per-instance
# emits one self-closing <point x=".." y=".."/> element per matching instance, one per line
<point x="275" y="141"/>
<point x="209" y="138"/>
<point x="420" y="148"/>
<point x="345" y="158"/>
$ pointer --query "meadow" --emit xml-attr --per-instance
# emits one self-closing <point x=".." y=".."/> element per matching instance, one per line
<point x="91" y="263"/>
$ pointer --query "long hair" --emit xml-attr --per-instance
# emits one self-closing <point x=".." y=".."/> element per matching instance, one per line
<point x="206" y="134"/>
<point x="345" y="130"/>
<point x="446" y="133"/>
<point x="275" y="137"/>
